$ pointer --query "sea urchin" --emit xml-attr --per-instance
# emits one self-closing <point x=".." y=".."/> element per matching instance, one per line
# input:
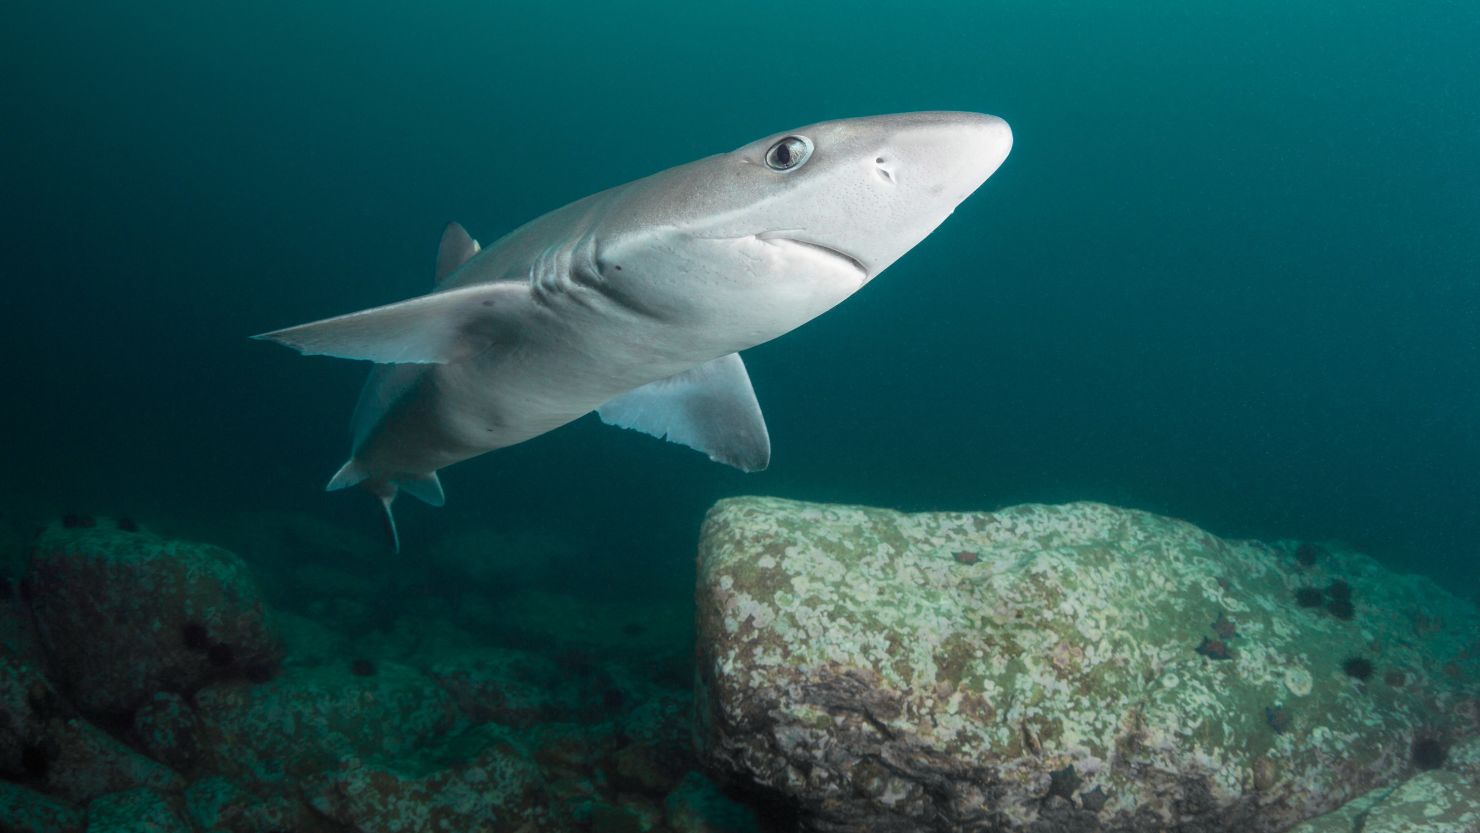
<point x="1428" y="753"/>
<point x="1357" y="667"/>
<point x="1309" y="597"/>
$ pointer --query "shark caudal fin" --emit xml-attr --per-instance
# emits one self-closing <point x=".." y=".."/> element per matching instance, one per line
<point x="424" y="487"/>
<point x="390" y="520"/>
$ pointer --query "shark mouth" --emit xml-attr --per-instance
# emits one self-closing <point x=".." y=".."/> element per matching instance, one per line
<point x="780" y="237"/>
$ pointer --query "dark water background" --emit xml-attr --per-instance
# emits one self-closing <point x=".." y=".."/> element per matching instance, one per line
<point x="1229" y="272"/>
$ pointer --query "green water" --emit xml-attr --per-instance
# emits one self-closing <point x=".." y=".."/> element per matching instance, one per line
<point x="1228" y="273"/>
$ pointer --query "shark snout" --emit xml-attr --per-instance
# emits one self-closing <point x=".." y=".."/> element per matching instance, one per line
<point x="913" y="169"/>
<point x="988" y="140"/>
<point x="848" y="198"/>
<point x="956" y="152"/>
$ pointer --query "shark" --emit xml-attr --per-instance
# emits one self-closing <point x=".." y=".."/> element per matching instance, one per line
<point x="635" y="302"/>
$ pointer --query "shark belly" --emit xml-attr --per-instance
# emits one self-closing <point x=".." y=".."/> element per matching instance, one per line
<point x="595" y="350"/>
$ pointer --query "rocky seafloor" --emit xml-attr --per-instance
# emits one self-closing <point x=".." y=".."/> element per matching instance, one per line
<point x="1052" y="669"/>
<point x="314" y="683"/>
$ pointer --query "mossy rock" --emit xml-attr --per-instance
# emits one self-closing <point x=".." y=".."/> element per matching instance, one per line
<point x="121" y="614"/>
<point x="1081" y="666"/>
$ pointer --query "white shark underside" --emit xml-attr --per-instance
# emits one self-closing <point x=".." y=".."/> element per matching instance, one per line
<point x="635" y="302"/>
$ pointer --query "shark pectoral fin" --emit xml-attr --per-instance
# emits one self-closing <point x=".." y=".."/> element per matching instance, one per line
<point x="457" y="248"/>
<point x="439" y="328"/>
<point x="425" y="488"/>
<point x="348" y="475"/>
<point x="709" y="408"/>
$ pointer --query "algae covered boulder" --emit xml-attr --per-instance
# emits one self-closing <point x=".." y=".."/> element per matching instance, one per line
<point x="121" y="614"/>
<point x="1073" y="667"/>
<point x="1441" y="800"/>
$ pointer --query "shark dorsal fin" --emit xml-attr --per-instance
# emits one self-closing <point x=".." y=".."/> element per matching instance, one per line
<point x="456" y="248"/>
<point x="709" y="408"/>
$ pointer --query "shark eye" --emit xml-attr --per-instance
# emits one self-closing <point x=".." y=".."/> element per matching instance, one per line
<point x="789" y="153"/>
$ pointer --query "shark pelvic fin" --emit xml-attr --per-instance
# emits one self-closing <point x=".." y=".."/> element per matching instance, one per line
<point x="424" y="487"/>
<point x="709" y="408"/>
<point x="385" y="385"/>
<point x="457" y="248"/>
<point x="439" y="328"/>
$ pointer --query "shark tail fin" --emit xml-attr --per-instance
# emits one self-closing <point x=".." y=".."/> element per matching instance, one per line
<point x="424" y="487"/>
<point x="386" y="499"/>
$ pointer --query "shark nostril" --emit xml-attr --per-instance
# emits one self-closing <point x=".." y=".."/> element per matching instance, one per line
<point x="884" y="169"/>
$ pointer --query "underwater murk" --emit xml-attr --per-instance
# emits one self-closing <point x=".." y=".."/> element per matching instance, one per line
<point x="1111" y="471"/>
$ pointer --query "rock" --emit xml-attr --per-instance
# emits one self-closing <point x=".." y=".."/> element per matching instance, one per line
<point x="658" y="745"/>
<point x="507" y="686"/>
<point x="83" y="762"/>
<point x="607" y="818"/>
<point x="17" y="635"/>
<point x="17" y="632"/>
<point x="697" y="806"/>
<point x="306" y="642"/>
<point x="1433" y="802"/>
<point x="570" y="750"/>
<point x="641" y="769"/>
<point x="1464" y="758"/>
<point x="649" y="815"/>
<point x="1441" y="801"/>
<point x="853" y="661"/>
<point x="121" y="615"/>
<point x="45" y="745"/>
<point x="213" y="802"/>
<point x="569" y="800"/>
<point x="217" y="805"/>
<point x="309" y="719"/>
<point x="166" y="728"/>
<point x="481" y="781"/>
<point x="25" y="811"/>
<point x="662" y="720"/>
<point x="27" y="704"/>
<point x="135" y="811"/>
